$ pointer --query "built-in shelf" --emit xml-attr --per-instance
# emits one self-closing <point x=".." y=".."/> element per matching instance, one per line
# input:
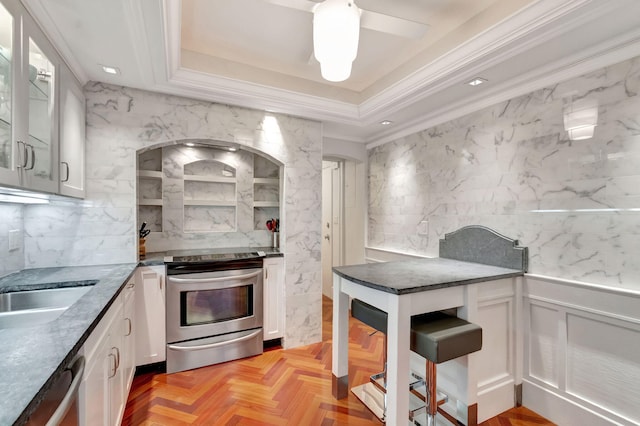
<point x="266" y="204"/>
<point x="150" y="202"/>
<point x="266" y="181"/>
<point x="151" y="174"/>
<point x="213" y="203"/>
<point x="150" y="195"/>
<point x="213" y="179"/>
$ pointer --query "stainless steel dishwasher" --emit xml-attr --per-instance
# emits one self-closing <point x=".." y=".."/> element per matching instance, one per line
<point x="60" y="404"/>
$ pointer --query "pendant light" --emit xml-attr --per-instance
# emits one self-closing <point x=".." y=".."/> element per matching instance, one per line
<point x="336" y="31"/>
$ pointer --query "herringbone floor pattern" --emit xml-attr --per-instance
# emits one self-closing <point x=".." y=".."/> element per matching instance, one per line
<point x="279" y="387"/>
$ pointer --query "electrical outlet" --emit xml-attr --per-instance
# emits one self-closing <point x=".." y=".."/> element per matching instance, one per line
<point x="14" y="239"/>
<point x="423" y="228"/>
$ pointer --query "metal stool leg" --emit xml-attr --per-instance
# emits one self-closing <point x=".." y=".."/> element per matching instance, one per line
<point x="431" y="398"/>
<point x="382" y="375"/>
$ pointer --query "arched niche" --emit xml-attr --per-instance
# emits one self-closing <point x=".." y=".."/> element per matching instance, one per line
<point x="206" y="193"/>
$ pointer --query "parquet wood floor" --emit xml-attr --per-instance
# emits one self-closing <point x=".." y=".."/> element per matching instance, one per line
<point x="279" y="387"/>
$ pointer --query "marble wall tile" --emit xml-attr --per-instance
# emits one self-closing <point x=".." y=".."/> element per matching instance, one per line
<point x="512" y="167"/>
<point x="122" y="121"/>
<point x="12" y="219"/>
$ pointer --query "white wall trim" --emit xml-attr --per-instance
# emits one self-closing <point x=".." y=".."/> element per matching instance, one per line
<point x="583" y="284"/>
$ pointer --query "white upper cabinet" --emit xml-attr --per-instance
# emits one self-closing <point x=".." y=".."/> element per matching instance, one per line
<point x="41" y="103"/>
<point x="72" y="134"/>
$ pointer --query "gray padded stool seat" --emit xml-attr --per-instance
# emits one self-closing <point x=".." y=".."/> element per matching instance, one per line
<point x="370" y="315"/>
<point x="436" y="336"/>
<point x="439" y="337"/>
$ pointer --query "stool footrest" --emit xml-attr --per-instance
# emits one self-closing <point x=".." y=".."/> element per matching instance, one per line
<point x="442" y="398"/>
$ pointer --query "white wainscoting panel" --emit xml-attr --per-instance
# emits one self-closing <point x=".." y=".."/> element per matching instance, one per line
<point x="543" y="344"/>
<point x="495" y="363"/>
<point x="603" y="363"/>
<point x="582" y="352"/>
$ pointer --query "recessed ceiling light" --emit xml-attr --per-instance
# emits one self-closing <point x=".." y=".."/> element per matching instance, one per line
<point x="386" y="122"/>
<point x="110" y="70"/>
<point x="477" y="81"/>
<point x="190" y="144"/>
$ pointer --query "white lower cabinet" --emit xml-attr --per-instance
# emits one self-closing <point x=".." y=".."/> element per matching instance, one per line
<point x="128" y="362"/>
<point x="273" y="283"/>
<point x="109" y="364"/>
<point x="151" y="341"/>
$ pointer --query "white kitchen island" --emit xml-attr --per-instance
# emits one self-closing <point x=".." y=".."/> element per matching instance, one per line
<point x="482" y="384"/>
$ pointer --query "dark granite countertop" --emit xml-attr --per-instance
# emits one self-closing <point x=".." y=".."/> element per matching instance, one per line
<point x="32" y="357"/>
<point x="416" y="275"/>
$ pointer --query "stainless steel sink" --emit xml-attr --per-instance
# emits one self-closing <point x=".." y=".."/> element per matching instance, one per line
<point x="26" y="308"/>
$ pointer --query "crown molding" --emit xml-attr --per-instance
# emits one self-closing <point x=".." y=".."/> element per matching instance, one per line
<point x="492" y="47"/>
<point x="234" y="92"/>
<point x="604" y="54"/>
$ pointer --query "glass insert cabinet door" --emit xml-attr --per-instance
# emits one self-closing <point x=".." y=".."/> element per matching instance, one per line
<point x="41" y="113"/>
<point x="7" y="31"/>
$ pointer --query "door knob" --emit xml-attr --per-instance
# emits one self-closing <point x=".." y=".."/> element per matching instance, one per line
<point x="326" y="237"/>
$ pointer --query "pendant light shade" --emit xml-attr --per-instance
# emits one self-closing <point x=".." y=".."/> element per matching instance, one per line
<point x="336" y="31"/>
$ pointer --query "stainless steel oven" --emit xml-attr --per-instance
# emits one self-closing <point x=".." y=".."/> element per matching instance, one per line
<point x="214" y="312"/>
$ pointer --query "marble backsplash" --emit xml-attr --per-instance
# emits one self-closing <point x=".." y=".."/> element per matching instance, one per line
<point x="12" y="220"/>
<point x="103" y="227"/>
<point x="512" y="167"/>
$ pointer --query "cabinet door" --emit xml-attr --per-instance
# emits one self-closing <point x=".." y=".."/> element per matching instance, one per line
<point x="9" y="68"/>
<point x="128" y="344"/>
<point x="72" y="134"/>
<point x="117" y="397"/>
<point x="39" y="65"/>
<point x="151" y="341"/>
<point x="94" y="392"/>
<point x="273" y="270"/>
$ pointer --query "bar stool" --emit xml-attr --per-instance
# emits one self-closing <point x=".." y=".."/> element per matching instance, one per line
<point x="376" y="319"/>
<point x="437" y="337"/>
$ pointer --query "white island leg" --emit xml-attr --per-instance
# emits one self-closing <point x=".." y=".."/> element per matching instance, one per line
<point x="398" y="335"/>
<point x="340" y="346"/>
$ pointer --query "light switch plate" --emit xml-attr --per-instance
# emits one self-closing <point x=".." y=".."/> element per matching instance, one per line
<point x="14" y="239"/>
<point x="423" y="228"/>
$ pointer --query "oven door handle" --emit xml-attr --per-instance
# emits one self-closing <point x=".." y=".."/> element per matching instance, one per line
<point x="214" y="345"/>
<point x="210" y="280"/>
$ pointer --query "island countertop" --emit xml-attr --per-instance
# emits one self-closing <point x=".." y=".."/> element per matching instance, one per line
<point x="416" y="275"/>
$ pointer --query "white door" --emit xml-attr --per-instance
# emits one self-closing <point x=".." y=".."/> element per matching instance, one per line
<point x="331" y="223"/>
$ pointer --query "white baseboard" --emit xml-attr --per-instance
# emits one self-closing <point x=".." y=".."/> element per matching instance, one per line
<point x="560" y="410"/>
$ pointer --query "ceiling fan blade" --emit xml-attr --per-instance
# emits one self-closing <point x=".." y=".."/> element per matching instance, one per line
<point x="305" y="5"/>
<point x="392" y="25"/>
<point x="368" y="19"/>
